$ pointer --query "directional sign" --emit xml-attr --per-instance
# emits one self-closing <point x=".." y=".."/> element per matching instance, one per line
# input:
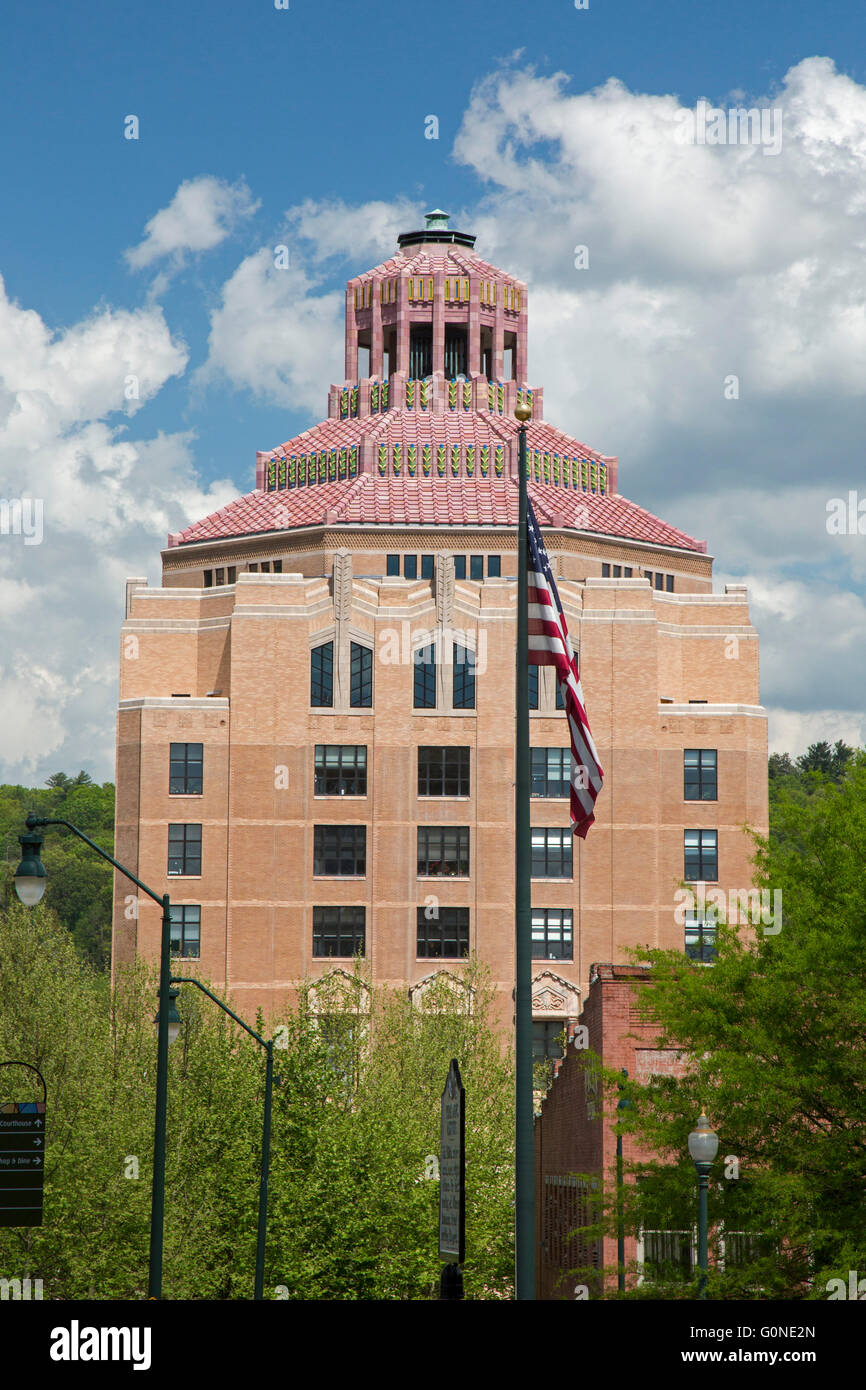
<point x="22" y="1162"/>
<point x="452" y="1169"/>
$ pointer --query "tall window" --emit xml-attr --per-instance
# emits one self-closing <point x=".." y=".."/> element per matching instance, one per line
<point x="464" y="678"/>
<point x="443" y="771"/>
<point x="701" y="855"/>
<point x="476" y="566"/>
<point x="185" y="930"/>
<point x="338" y="931"/>
<point x="341" y="769"/>
<point x="700" y="774"/>
<point x="410" y="566"/>
<point x="551" y="771"/>
<point x="445" y="934"/>
<point x="494" y="566"/>
<point x="420" y="349"/>
<point x="340" y="850"/>
<point x="425" y="677"/>
<point x="533" y="687"/>
<point x="700" y="938"/>
<point x="459" y="566"/>
<point x="551" y="853"/>
<point x="455" y="350"/>
<point x="552" y="933"/>
<point x="392" y="565"/>
<point x="426" y="566"/>
<point x="322" y="675"/>
<point x="185" y="769"/>
<point x="360" y="676"/>
<point x="546" y="1040"/>
<point x="184" y="850"/>
<point x="443" y="851"/>
<point x="560" y="698"/>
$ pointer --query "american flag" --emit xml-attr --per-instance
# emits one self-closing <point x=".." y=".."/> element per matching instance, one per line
<point x="549" y="645"/>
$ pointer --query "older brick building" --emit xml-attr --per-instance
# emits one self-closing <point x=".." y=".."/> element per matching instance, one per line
<point x="316" y="718"/>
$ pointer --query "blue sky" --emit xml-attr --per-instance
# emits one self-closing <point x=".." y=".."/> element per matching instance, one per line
<point x="305" y="127"/>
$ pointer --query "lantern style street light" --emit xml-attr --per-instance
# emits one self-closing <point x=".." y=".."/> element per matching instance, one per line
<point x="703" y="1147"/>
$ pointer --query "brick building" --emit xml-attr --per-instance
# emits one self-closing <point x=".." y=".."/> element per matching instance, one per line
<point x="316" y="716"/>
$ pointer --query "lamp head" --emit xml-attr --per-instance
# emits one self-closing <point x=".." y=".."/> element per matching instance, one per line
<point x="703" y="1143"/>
<point x="30" y="874"/>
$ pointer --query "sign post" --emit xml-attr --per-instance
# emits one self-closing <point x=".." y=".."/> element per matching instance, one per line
<point x="452" y="1185"/>
<point x="22" y="1157"/>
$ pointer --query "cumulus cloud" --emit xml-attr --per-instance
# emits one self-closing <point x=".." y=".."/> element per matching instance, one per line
<point x="107" y="501"/>
<point x="202" y="213"/>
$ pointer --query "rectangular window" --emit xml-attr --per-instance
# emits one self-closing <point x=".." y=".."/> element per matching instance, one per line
<point x="667" y="1255"/>
<point x="552" y="933"/>
<point x="617" y="572"/>
<point x="208" y="579"/>
<point x="459" y="566"/>
<point x="338" y="931"/>
<point x="443" y="771"/>
<point x="660" y="580"/>
<point x="605" y="571"/>
<point x="185" y="769"/>
<point x="420" y="349"/>
<point x="392" y="565"/>
<point x="476" y="566"/>
<point x="254" y="569"/>
<point x="533" y="687"/>
<point x="560" y="698"/>
<point x="494" y="566"/>
<point x="322" y="675"/>
<point x="669" y="583"/>
<point x="700" y="938"/>
<point x="426" y="566"/>
<point x="464" y="678"/>
<point x="455" y="351"/>
<point x="700" y="782"/>
<point x="701" y="856"/>
<point x="266" y="566"/>
<point x="425" y="677"/>
<point x="551" y="853"/>
<point x="445" y="935"/>
<point x="220" y="576"/>
<point x="443" y="851"/>
<point x="410" y="566"/>
<point x="278" y="566"/>
<point x="626" y="573"/>
<point x="341" y="769"/>
<point x="360" y="676"/>
<point x="186" y="931"/>
<point x="551" y="771"/>
<point x="184" y="850"/>
<point x="546" y="1040"/>
<point x="340" y="850"/>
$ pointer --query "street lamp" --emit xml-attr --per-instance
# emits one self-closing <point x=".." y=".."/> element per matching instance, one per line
<point x="622" y="1104"/>
<point x="703" y="1147"/>
<point x="173" y="1017"/>
<point x="30" y="874"/>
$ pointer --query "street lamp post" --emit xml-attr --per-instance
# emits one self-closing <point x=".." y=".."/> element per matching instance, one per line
<point x="30" y="881"/>
<point x="30" y="885"/>
<point x="703" y="1146"/>
<point x="622" y="1104"/>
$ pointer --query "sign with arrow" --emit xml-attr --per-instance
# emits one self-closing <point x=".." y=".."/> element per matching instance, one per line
<point x="452" y="1169"/>
<point x="22" y="1162"/>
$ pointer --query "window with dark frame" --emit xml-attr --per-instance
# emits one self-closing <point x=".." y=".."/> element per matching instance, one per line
<point x="476" y="566"/>
<point x="701" y="853"/>
<point x="494" y="566"/>
<point x="410" y="566"/>
<point x="700" y="774"/>
<point x="533" y="687"/>
<point x="424" y="660"/>
<point x="338" y="931"/>
<point x="459" y="566"/>
<point x="443" y="851"/>
<point x="392" y="565"/>
<point x="464" y="678"/>
<point x="550" y="771"/>
<point x="700" y="942"/>
<point x="208" y="579"/>
<point x="669" y="583"/>
<point x="559" y="698"/>
<point x="322" y="675"/>
<point x="185" y="769"/>
<point x="360" y="676"/>
<point x="547" y="1039"/>
<point x="426" y="566"/>
<point x="552" y="933"/>
<point x="443" y="771"/>
<point x="551" y="853"/>
<point x="184" y="851"/>
<point x="341" y="769"/>
<point x="444" y="935"/>
<point x="185" y="935"/>
<point x="420" y="350"/>
<point x="340" y="851"/>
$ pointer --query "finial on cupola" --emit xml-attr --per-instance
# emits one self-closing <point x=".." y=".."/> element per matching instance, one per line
<point x="437" y="220"/>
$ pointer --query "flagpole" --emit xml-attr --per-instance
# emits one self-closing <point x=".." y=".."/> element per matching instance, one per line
<point x="524" y="1158"/>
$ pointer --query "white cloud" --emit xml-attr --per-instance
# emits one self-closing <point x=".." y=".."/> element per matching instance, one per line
<point x="202" y="213"/>
<point x="109" y="501"/>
